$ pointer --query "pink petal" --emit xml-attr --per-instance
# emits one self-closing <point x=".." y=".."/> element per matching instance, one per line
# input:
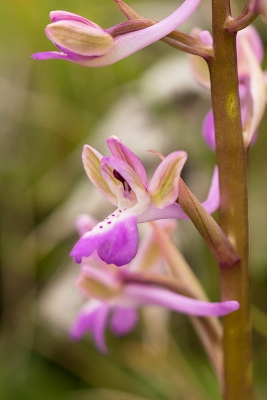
<point x="257" y="92"/>
<point x="99" y="325"/>
<point x="46" y="55"/>
<point x="123" y="320"/>
<point x="65" y="16"/>
<point x="250" y="35"/>
<point x="92" y="318"/>
<point x="84" y="321"/>
<point x="206" y="38"/>
<point x="121" y="246"/>
<point x="208" y="130"/>
<point x="79" y="40"/>
<point x="144" y="294"/>
<point x="198" y="65"/>
<point x="115" y="239"/>
<point x="211" y="204"/>
<point x="119" y="150"/>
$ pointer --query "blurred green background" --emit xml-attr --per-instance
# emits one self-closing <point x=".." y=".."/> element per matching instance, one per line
<point x="48" y="110"/>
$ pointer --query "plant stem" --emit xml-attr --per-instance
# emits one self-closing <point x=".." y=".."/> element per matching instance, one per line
<point x="232" y="162"/>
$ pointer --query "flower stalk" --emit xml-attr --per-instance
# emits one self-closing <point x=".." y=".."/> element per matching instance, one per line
<point x="232" y="163"/>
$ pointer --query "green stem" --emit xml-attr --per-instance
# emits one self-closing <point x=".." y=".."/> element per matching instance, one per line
<point x="232" y="162"/>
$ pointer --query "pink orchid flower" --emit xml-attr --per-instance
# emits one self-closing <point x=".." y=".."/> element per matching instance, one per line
<point x="114" y="300"/>
<point x="252" y="83"/>
<point x="122" y="179"/>
<point x="84" y="42"/>
<point x="119" y="305"/>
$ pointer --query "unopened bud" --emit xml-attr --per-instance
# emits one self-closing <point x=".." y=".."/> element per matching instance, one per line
<point x="79" y="38"/>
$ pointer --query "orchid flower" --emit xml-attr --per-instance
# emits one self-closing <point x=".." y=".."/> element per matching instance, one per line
<point x="252" y="83"/>
<point x="115" y="302"/>
<point x="122" y="179"/>
<point x="149" y="255"/>
<point x="84" y="42"/>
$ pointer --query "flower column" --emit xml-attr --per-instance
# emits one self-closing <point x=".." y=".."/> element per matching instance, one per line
<point x="232" y="162"/>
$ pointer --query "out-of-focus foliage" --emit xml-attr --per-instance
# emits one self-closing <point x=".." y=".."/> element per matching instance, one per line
<point x="48" y="110"/>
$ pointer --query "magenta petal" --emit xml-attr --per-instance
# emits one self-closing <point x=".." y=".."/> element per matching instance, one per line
<point x="92" y="318"/>
<point x="123" y="320"/>
<point x="208" y="130"/>
<point x="120" y="246"/>
<point x="67" y="16"/>
<point x="115" y="239"/>
<point x="49" y="54"/>
<point x="144" y="294"/>
<point x="84" y="321"/>
<point x="212" y="202"/>
<point x="100" y="322"/>
<point x="206" y="38"/>
<point x="81" y="325"/>
<point x="89" y="242"/>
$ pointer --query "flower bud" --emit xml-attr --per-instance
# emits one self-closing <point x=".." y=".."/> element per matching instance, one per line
<point x="79" y="38"/>
<point x="84" y="42"/>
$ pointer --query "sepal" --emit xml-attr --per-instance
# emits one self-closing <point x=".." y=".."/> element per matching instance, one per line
<point x="92" y="164"/>
<point x="163" y="188"/>
<point x="74" y="36"/>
